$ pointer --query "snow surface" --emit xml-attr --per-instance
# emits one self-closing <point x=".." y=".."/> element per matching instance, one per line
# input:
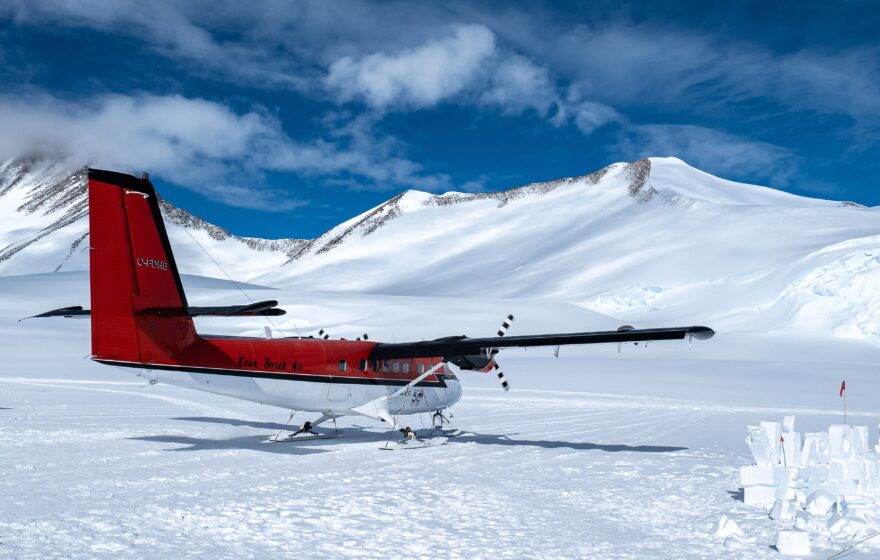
<point x="616" y="453"/>
<point x="594" y="453"/>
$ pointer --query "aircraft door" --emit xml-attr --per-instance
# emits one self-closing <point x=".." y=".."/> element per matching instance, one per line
<point x="336" y="391"/>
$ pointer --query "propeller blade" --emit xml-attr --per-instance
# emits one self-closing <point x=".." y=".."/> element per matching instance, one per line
<point x="505" y="325"/>
<point x="500" y="373"/>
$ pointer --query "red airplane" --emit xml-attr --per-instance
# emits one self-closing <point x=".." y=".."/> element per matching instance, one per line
<point x="140" y="319"/>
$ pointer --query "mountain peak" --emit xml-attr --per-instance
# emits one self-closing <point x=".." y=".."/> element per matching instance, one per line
<point x="673" y="177"/>
<point x="44" y="204"/>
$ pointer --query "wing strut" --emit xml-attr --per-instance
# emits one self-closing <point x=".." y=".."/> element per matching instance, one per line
<point x="378" y="408"/>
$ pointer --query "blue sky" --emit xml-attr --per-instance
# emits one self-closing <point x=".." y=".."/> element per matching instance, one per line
<point x="282" y="119"/>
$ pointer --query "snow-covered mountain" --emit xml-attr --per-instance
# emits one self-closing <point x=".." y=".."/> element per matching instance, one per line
<point x="651" y="241"/>
<point x="44" y="228"/>
<point x="655" y="240"/>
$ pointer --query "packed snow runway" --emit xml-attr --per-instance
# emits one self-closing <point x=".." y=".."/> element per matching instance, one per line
<point x="594" y="453"/>
<point x="112" y="469"/>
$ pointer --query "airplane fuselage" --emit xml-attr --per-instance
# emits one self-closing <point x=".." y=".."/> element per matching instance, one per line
<point x="307" y="374"/>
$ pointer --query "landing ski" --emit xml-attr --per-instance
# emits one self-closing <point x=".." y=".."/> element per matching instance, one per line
<point x="301" y="437"/>
<point x="415" y="444"/>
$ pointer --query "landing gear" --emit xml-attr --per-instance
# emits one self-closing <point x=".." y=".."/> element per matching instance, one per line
<point x="440" y="423"/>
<point x="408" y="435"/>
<point x="307" y="430"/>
<point x="412" y="441"/>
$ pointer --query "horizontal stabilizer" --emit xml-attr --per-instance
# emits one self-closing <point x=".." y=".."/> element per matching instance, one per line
<point x="72" y="312"/>
<point x="260" y="308"/>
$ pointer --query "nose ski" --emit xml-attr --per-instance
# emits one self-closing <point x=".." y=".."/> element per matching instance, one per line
<point x="412" y="441"/>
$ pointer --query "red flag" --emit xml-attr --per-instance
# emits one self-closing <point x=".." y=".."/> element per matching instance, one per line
<point x="842" y="387"/>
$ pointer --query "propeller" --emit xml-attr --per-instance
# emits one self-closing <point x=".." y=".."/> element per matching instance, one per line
<point x="505" y="325"/>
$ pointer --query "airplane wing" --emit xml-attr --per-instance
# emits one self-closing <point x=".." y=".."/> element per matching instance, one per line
<point x="463" y="346"/>
<point x="260" y="308"/>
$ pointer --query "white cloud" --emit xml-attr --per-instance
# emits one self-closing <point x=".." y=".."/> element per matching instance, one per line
<point x="187" y="32"/>
<point x="416" y="77"/>
<point x="661" y="65"/>
<point x="589" y="115"/>
<point x="376" y="52"/>
<point x="167" y="133"/>
<point x="715" y="151"/>
<point x="586" y="115"/>
<point x="198" y="144"/>
<point x="518" y="84"/>
<point x="405" y="56"/>
<point x="369" y="160"/>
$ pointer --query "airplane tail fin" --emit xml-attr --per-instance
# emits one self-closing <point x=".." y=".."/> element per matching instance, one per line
<point x="139" y="309"/>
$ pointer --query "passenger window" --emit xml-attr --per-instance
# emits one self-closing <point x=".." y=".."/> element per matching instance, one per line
<point x="405" y="367"/>
<point x="421" y="369"/>
<point x="363" y="365"/>
<point x="374" y="365"/>
<point x="385" y="366"/>
<point x="341" y="365"/>
<point x="395" y="366"/>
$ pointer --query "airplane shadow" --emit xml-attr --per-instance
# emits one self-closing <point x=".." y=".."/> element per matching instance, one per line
<point x="347" y="433"/>
<point x="249" y="423"/>
<point x="253" y="443"/>
<point x="495" y="439"/>
<point x="363" y="434"/>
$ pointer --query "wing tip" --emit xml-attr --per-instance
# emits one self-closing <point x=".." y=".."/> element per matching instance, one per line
<point x="701" y="333"/>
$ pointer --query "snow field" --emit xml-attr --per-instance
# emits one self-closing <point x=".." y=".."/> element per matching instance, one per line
<point x="594" y="453"/>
